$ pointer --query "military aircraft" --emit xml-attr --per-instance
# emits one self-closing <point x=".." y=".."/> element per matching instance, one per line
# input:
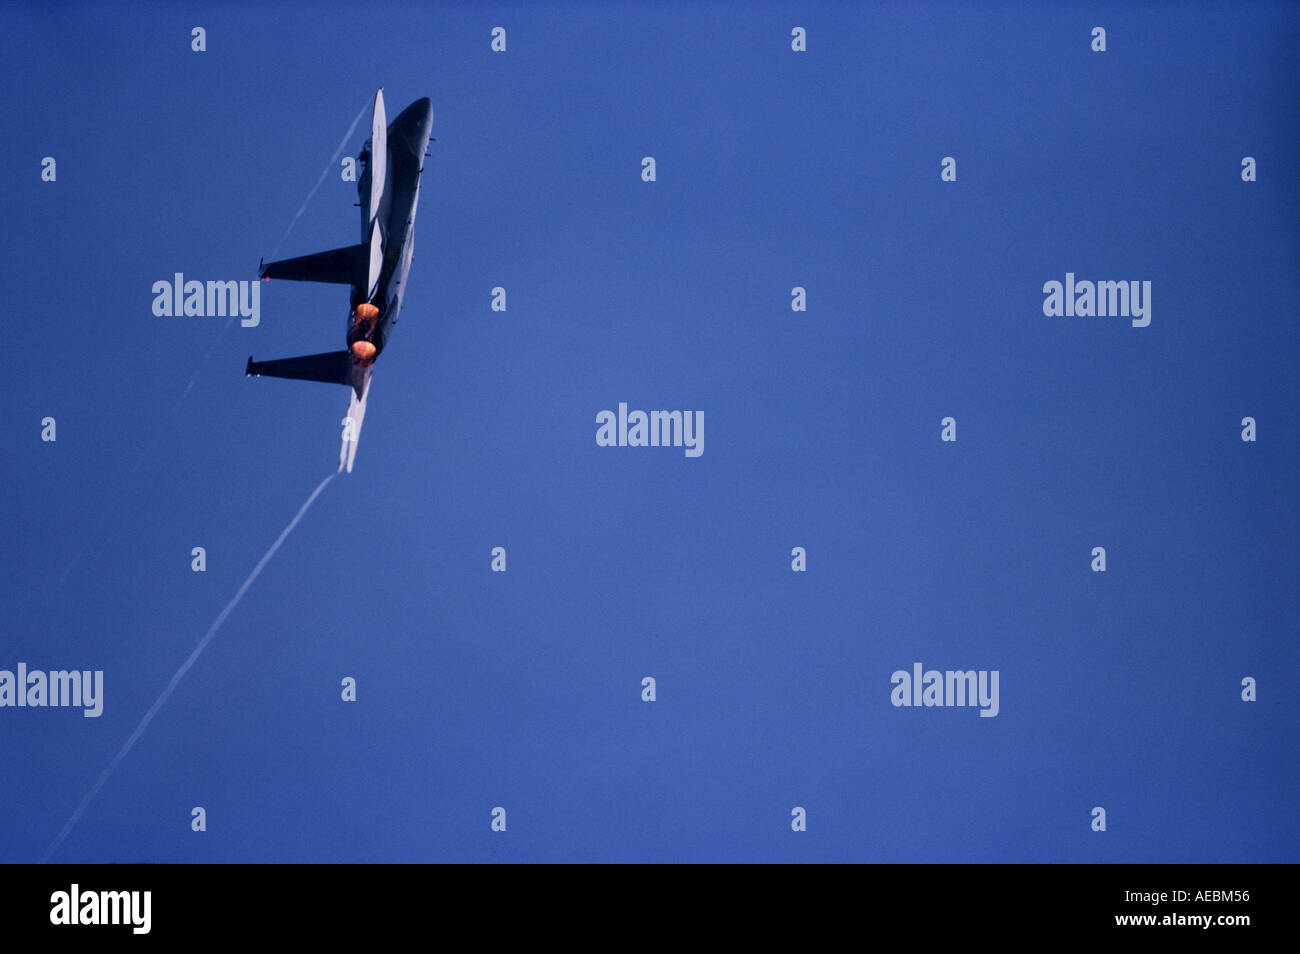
<point x="392" y="161"/>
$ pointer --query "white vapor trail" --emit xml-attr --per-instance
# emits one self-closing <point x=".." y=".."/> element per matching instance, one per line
<point x="180" y="673"/>
<point x="330" y="165"/>
<point x="93" y="536"/>
<point x="106" y="512"/>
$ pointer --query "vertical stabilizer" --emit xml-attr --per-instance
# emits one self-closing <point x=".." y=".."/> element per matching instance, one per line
<point x="378" y="155"/>
<point x="352" y="423"/>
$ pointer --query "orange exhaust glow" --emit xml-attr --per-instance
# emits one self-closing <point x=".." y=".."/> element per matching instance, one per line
<point x="363" y="350"/>
<point x="366" y="312"/>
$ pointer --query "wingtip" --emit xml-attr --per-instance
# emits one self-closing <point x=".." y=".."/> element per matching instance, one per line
<point x="248" y="368"/>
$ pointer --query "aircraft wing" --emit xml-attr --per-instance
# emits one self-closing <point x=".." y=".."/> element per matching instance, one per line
<point x="342" y="266"/>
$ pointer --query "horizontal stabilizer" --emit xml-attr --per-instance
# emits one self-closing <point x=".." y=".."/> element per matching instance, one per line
<point x="340" y="266"/>
<point x="333" y="367"/>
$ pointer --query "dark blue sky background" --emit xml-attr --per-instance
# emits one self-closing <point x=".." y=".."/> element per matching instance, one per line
<point x="775" y="169"/>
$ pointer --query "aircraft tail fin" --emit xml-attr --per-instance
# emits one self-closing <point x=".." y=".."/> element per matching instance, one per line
<point x="333" y="367"/>
<point x="356" y="415"/>
<point x="379" y="155"/>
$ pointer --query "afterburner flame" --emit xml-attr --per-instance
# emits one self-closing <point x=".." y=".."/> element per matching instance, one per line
<point x="363" y="350"/>
<point x="366" y="312"/>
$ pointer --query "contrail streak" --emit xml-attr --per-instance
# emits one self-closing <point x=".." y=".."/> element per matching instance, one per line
<point x="93" y="536"/>
<point x="330" y="165"/>
<point x="180" y="673"/>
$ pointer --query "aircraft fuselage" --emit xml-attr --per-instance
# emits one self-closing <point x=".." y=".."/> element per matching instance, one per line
<point x="376" y="269"/>
<point x="408" y="138"/>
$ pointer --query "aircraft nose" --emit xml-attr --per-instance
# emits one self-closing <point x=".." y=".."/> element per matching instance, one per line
<point x="424" y="109"/>
<point x="415" y="123"/>
<point x="419" y="113"/>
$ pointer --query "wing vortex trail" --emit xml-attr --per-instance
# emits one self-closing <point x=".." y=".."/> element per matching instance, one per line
<point x="330" y="165"/>
<point x="103" y="517"/>
<point x="92" y="537"/>
<point x="180" y="673"/>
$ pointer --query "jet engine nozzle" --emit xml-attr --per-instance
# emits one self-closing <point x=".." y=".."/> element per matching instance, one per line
<point x="364" y="351"/>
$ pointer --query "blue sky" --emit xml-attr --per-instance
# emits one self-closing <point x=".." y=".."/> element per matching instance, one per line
<point x="774" y="169"/>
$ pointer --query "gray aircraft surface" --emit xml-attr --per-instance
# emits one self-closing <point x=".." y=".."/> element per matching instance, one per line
<point x="392" y="161"/>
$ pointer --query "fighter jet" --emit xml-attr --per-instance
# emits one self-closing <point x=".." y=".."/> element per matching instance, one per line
<point x="391" y="161"/>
